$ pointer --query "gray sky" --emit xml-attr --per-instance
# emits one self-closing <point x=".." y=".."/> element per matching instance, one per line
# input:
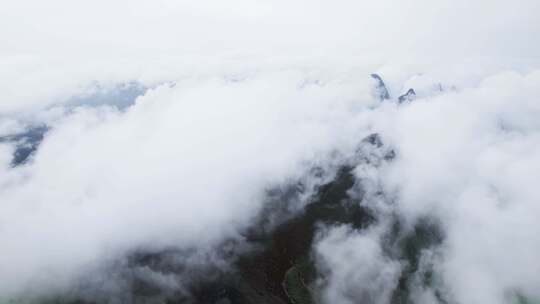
<point x="242" y="95"/>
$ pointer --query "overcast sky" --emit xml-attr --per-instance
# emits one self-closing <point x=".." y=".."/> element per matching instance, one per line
<point x="239" y="95"/>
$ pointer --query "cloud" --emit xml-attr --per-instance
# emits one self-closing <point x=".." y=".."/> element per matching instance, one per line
<point x="170" y="120"/>
<point x="468" y="158"/>
<point x="128" y="41"/>
<point x="186" y="166"/>
<point x="354" y="267"/>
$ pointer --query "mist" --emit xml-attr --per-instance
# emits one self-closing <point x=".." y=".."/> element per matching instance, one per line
<point x="161" y="142"/>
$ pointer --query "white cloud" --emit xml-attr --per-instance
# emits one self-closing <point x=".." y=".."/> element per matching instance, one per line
<point x="470" y="158"/>
<point x="243" y="94"/>
<point x="355" y="268"/>
<point x="186" y="166"/>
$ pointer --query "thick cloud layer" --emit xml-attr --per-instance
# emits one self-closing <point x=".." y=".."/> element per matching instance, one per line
<point x="165" y="123"/>
<point x="53" y="50"/>
<point x="476" y="168"/>
<point x="186" y="166"/>
<point x="469" y="159"/>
